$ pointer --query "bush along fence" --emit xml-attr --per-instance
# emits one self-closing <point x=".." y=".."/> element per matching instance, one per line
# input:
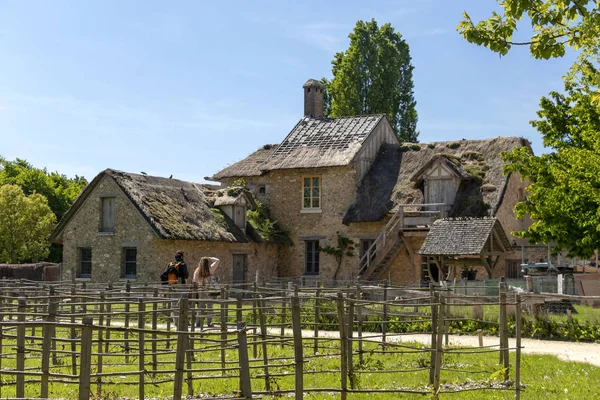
<point x="69" y="341"/>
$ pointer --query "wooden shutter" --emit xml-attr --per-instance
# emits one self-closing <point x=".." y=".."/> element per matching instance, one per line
<point x="108" y="214"/>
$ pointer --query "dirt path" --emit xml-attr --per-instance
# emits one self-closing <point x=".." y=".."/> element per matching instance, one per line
<point x="568" y="351"/>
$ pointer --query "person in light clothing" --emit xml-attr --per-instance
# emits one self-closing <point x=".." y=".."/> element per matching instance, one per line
<point x="204" y="277"/>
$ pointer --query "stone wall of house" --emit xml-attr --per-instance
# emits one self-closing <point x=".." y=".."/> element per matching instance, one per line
<point x="338" y="191"/>
<point x="261" y="257"/>
<point x="514" y="190"/>
<point x="131" y="230"/>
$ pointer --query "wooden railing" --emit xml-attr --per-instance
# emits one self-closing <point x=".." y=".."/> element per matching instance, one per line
<point x="402" y="220"/>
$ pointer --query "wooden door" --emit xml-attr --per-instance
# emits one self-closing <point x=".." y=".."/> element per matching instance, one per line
<point x="239" y="268"/>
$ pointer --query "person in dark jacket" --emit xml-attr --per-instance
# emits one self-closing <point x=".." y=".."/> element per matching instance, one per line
<point x="183" y="275"/>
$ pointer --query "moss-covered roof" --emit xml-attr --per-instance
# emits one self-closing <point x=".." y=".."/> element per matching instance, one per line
<point x="479" y="162"/>
<point x="174" y="209"/>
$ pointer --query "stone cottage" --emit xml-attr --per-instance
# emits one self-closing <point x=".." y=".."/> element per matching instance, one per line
<point x="127" y="226"/>
<point x="351" y="175"/>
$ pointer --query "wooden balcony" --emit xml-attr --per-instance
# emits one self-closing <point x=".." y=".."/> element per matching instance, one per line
<point x="407" y="217"/>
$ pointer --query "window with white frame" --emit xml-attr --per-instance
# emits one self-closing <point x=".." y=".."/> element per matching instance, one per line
<point x="311" y="192"/>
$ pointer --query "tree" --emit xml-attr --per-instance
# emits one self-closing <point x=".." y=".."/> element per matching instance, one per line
<point x="374" y="76"/>
<point x="556" y="24"/>
<point x="563" y="198"/>
<point x="345" y="247"/>
<point x="60" y="191"/>
<point x="25" y="224"/>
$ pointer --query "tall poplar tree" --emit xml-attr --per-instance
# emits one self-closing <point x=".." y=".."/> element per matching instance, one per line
<point x="374" y="76"/>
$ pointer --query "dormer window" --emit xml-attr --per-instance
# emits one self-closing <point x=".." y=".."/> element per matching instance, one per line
<point x="440" y="178"/>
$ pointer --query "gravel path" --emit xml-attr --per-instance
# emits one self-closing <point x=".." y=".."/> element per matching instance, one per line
<point x="568" y="351"/>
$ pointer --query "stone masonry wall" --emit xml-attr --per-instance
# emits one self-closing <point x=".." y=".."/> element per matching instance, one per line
<point x="131" y="230"/>
<point x="260" y="257"/>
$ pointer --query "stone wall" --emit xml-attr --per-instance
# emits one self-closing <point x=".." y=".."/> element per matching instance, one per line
<point x="131" y="230"/>
<point x="260" y="257"/>
<point x="505" y="213"/>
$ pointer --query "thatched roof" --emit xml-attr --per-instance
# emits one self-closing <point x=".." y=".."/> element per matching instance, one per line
<point x="388" y="182"/>
<point x="322" y="142"/>
<point x="463" y="236"/>
<point x="174" y="209"/>
<point x="249" y="166"/>
<point x="451" y="163"/>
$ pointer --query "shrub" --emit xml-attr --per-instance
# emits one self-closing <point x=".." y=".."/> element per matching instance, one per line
<point x="453" y="145"/>
<point x="431" y="146"/>
<point x="415" y="147"/>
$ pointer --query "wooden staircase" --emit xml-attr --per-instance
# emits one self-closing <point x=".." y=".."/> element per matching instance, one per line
<point x="389" y="242"/>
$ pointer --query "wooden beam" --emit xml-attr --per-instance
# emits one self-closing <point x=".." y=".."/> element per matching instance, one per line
<point x="486" y="264"/>
<point x="491" y="253"/>
<point x="410" y="252"/>
<point x="498" y="240"/>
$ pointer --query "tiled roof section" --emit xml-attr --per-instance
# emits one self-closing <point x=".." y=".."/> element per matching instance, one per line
<point x="461" y="236"/>
<point x="319" y="142"/>
<point x="249" y="166"/>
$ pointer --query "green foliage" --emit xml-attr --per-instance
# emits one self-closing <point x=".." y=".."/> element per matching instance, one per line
<point x="555" y="25"/>
<point x="345" y="247"/>
<point x="404" y="148"/>
<point x="374" y="76"/>
<point x="415" y="147"/>
<point x="473" y="156"/>
<point x="25" y="224"/>
<point x="240" y="182"/>
<point x="562" y="199"/>
<point x="453" y="145"/>
<point x="268" y="230"/>
<point x="431" y="146"/>
<point x="475" y="171"/>
<point x="59" y="190"/>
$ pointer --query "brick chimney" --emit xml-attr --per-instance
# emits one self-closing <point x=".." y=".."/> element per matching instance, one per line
<point x="313" y="98"/>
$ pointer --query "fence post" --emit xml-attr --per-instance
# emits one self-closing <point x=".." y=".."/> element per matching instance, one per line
<point x="154" y="327"/>
<point x="359" y="320"/>
<point x="108" y="317"/>
<point x="439" y="347"/>
<point x="254" y="318"/>
<point x="85" y="362"/>
<point x="298" y="352"/>
<point x="434" y="317"/>
<point x="349" y="348"/>
<point x="127" y="308"/>
<point x="223" y="328"/>
<point x="283" y="313"/>
<point x="518" y="346"/>
<point x="385" y="314"/>
<point x="504" y="335"/>
<point x="73" y="334"/>
<point x="245" y="384"/>
<point x="141" y="345"/>
<point x="316" y="327"/>
<point x="344" y="356"/>
<point x="263" y="338"/>
<point x="502" y="312"/>
<point x="100" y="344"/>
<point x="21" y="347"/>
<point x="181" y="347"/>
<point x="47" y="346"/>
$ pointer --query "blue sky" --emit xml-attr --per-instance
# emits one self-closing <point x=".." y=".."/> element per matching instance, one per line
<point x="189" y="87"/>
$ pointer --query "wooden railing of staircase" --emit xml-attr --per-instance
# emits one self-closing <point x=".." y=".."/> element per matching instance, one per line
<point x="422" y="218"/>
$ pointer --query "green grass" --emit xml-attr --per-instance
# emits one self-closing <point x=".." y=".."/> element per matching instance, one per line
<point x="543" y="375"/>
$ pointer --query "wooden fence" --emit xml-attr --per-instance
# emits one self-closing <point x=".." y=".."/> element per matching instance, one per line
<point x="265" y="341"/>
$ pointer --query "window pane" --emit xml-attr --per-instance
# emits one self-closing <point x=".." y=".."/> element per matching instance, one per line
<point x="315" y="192"/>
<point x="306" y="182"/>
<point x="85" y="263"/>
<point x="306" y="192"/>
<point x="306" y="202"/>
<point x="130" y="255"/>
<point x="315" y="202"/>
<point x="130" y="262"/>
<point x="315" y="181"/>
